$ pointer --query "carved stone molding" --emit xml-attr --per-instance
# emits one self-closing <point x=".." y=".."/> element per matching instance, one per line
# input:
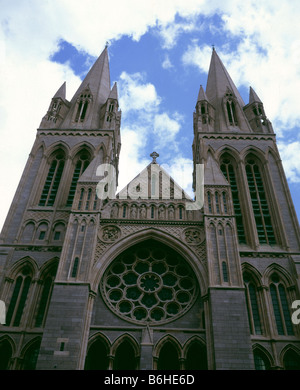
<point x="193" y="236"/>
<point x="109" y="234"/>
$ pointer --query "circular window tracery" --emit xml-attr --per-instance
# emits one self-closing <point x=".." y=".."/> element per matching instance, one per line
<point x="149" y="283"/>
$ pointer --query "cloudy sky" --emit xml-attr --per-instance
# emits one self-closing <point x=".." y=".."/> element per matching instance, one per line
<point x="159" y="55"/>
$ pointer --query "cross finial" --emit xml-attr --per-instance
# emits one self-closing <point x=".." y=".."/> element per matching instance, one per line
<point x="154" y="156"/>
<point x="213" y="47"/>
<point x="106" y="44"/>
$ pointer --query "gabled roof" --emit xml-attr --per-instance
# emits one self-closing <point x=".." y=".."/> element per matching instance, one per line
<point x="212" y="173"/>
<point x="145" y="186"/>
<point x="90" y="174"/>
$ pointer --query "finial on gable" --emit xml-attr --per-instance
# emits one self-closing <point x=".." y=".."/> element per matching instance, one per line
<point x="154" y="156"/>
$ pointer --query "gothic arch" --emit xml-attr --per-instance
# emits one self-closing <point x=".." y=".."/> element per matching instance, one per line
<point x="283" y="274"/>
<point x="36" y="148"/>
<point x="99" y="336"/>
<point x="126" y="337"/>
<point x="254" y="273"/>
<point x="52" y="149"/>
<point x="23" y="262"/>
<point x="231" y="151"/>
<point x="150" y="233"/>
<point x="257" y="348"/>
<point x="190" y="341"/>
<point x="98" y="352"/>
<point x="7" y="352"/>
<point x="257" y="153"/>
<point x="27" y="231"/>
<point x="288" y="348"/>
<point x="79" y="148"/>
<point x="29" y="354"/>
<point x="168" y="338"/>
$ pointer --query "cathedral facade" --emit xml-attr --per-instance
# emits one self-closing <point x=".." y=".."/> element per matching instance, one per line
<point x="145" y="279"/>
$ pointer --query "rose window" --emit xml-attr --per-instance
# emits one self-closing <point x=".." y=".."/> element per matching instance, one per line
<point x="149" y="283"/>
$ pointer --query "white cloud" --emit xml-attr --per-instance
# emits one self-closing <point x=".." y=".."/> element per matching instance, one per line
<point x="290" y="158"/>
<point x="266" y="57"/>
<point x="198" y="56"/>
<point x="165" y="129"/>
<point x="167" y="63"/>
<point x="135" y="94"/>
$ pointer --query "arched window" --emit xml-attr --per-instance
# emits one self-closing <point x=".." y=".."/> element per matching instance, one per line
<point x="229" y="173"/>
<point x="209" y="202"/>
<point x="45" y="296"/>
<point x="168" y="357"/>
<point x="124" y="210"/>
<point x="196" y="358"/>
<point x="87" y="203"/>
<point x="53" y="179"/>
<point x="224" y="202"/>
<point x="261" y="362"/>
<point x="125" y="357"/>
<point x="80" y="166"/>
<point x="58" y="233"/>
<point x="41" y="232"/>
<point x="97" y="357"/>
<point x="252" y="305"/>
<point x="75" y="267"/>
<point x="260" y="206"/>
<point x="180" y="209"/>
<point x="217" y="203"/>
<point x="280" y="306"/>
<point x="19" y="297"/>
<point x="291" y="360"/>
<point x="5" y="354"/>
<point x="80" y="198"/>
<point x="31" y="356"/>
<point x="225" y="272"/>
<point x="27" y="235"/>
<point x="82" y="105"/>
<point x="231" y="112"/>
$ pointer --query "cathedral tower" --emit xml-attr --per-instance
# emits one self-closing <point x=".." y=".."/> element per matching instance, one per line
<point x="138" y="279"/>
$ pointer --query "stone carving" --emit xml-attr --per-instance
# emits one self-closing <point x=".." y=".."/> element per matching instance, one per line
<point x="110" y="233"/>
<point x="193" y="236"/>
<point x="133" y="211"/>
<point x="143" y="211"/>
<point x="161" y="212"/>
<point x="171" y="212"/>
<point x="114" y="211"/>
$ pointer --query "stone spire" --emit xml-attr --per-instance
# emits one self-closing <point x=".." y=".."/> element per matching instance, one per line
<point x="114" y="92"/>
<point x="90" y="96"/>
<point x="61" y="93"/>
<point x="253" y="98"/>
<point x="202" y="94"/>
<point x="219" y="89"/>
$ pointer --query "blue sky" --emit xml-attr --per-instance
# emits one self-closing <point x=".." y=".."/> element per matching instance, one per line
<point x="159" y="55"/>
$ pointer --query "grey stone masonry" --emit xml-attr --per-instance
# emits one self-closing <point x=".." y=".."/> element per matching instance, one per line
<point x="230" y="329"/>
<point x="64" y="330"/>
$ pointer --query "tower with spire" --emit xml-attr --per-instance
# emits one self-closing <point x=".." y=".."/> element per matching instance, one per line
<point x="137" y="279"/>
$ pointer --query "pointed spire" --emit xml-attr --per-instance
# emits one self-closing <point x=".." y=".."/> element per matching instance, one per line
<point x="96" y="85"/>
<point x="253" y="98"/>
<point x="114" y="92"/>
<point x="219" y="81"/>
<point x="202" y="95"/>
<point x="220" y="86"/>
<point x="61" y="93"/>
